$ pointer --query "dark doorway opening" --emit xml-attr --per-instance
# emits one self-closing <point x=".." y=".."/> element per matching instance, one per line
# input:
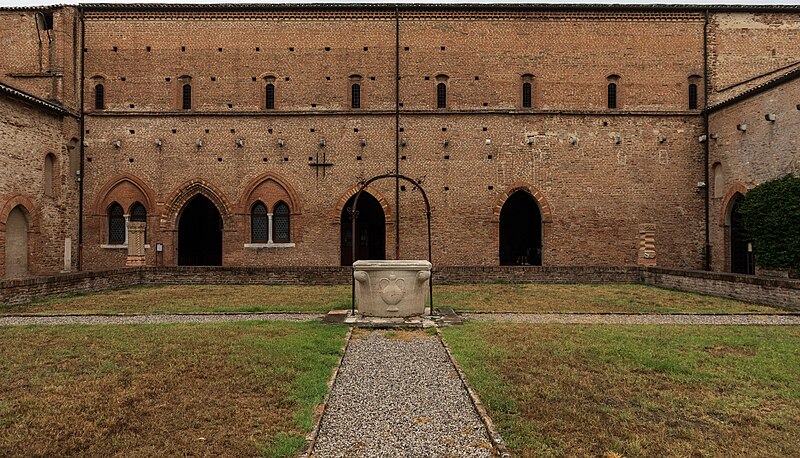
<point x="742" y="261"/>
<point x="200" y="234"/>
<point x="520" y="231"/>
<point x="370" y="230"/>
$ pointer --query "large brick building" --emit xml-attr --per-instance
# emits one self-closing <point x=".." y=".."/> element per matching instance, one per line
<point x="542" y="134"/>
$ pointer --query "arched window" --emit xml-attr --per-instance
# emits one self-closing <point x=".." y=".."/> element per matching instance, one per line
<point x="692" y="96"/>
<point x="526" y="95"/>
<point x="355" y="95"/>
<point x="116" y="224"/>
<point x="612" y="95"/>
<point x="259" y="223"/>
<point x="187" y="96"/>
<point x="139" y="215"/>
<point x="280" y="221"/>
<point x="49" y="173"/>
<point x="99" y="97"/>
<point x="441" y="95"/>
<point x="270" y="96"/>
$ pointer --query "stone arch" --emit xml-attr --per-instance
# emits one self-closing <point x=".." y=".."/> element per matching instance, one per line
<point x="27" y="203"/>
<point x="541" y="200"/>
<point x="251" y="194"/>
<point x="179" y="197"/>
<point x="736" y="190"/>
<point x="17" y="243"/>
<point x="337" y="211"/>
<point x="124" y="189"/>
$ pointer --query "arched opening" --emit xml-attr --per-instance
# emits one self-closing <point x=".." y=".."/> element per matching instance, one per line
<point x="49" y="174"/>
<point x="200" y="234"/>
<point x="520" y="231"/>
<point x="370" y="230"/>
<point x="17" y="243"/>
<point x="742" y="261"/>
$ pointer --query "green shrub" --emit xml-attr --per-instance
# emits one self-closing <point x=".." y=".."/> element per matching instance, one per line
<point x="771" y="213"/>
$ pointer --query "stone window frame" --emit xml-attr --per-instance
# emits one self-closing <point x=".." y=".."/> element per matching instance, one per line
<point x="135" y="217"/>
<point x="258" y="204"/>
<point x="527" y="79"/>
<point x="442" y="81"/>
<point x="271" y="241"/>
<point x="355" y="81"/>
<point x="266" y="80"/>
<point x="98" y="81"/>
<point x="699" y="98"/>
<point x="112" y="219"/>
<point x="613" y="98"/>
<point x="279" y="205"/>
<point x="183" y="81"/>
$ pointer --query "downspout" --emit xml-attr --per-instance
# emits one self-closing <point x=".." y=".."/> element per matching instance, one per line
<point x="83" y="138"/>
<point x="397" y="133"/>
<point x="706" y="143"/>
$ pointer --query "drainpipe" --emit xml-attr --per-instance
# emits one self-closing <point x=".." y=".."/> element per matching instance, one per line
<point x="397" y="133"/>
<point x="706" y="143"/>
<point x="83" y="131"/>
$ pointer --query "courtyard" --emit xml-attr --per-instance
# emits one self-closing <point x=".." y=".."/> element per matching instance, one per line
<point x="242" y="370"/>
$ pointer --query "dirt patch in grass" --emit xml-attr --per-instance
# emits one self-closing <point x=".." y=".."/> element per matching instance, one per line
<point x="560" y="390"/>
<point x="621" y="298"/>
<point x="196" y="298"/>
<point x="233" y="389"/>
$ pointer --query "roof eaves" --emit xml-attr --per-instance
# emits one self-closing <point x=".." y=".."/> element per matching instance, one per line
<point x="32" y="99"/>
<point x="785" y="78"/>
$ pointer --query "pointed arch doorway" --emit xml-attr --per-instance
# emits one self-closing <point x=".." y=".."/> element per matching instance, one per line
<point x="520" y="231"/>
<point x="200" y="233"/>
<point x="370" y="230"/>
<point x="16" y="255"/>
<point x="740" y="246"/>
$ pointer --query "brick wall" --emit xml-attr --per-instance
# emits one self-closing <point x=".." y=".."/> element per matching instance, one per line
<point x="598" y="190"/>
<point x="740" y="160"/>
<point x="758" y="290"/>
<point x="748" y="48"/>
<point x="28" y="134"/>
<point x="775" y="292"/>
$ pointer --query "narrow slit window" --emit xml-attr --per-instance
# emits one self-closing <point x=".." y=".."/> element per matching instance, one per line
<point x="259" y="224"/>
<point x="612" y="95"/>
<point x="526" y="95"/>
<point x="355" y="95"/>
<point x="187" y="96"/>
<point x="139" y="215"/>
<point x="281" y="223"/>
<point x="116" y="225"/>
<point x="99" y="97"/>
<point x="441" y="95"/>
<point x="692" y="96"/>
<point x="270" y="96"/>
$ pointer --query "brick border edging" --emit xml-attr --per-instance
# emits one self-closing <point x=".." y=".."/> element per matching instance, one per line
<point x="319" y="411"/>
<point x="497" y="440"/>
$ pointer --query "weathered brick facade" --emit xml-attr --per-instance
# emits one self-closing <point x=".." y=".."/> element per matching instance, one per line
<point x="600" y="177"/>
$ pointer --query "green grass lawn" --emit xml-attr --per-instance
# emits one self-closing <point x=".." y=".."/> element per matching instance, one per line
<point x="606" y="297"/>
<point x="532" y="298"/>
<point x="232" y="389"/>
<point x="196" y="298"/>
<point x="559" y="390"/>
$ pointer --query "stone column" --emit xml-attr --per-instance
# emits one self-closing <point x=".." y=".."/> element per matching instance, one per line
<point x="136" y="244"/>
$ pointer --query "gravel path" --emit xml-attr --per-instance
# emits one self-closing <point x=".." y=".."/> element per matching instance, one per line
<point x="399" y="396"/>
<point x="156" y="318"/>
<point x="602" y="318"/>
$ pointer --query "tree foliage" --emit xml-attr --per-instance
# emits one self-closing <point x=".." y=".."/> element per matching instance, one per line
<point x="771" y="213"/>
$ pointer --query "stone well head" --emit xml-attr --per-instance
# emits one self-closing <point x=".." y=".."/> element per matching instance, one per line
<point x="392" y="288"/>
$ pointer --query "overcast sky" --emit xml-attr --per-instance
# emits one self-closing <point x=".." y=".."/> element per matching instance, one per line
<point x="662" y="2"/>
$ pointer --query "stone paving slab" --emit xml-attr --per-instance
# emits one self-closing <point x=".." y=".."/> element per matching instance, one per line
<point x="154" y="318"/>
<point x="620" y="318"/>
<point x="398" y="394"/>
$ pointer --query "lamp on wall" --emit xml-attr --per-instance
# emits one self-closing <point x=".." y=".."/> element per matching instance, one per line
<point x="321" y="142"/>
<point x="702" y="138"/>
<point x="116" y="143"/>
<point x="771" y="117"/>
<point x="199" y="143"/>
<point x="742" y="127"/>
<point x="239" y="142"/>
<point x="573" y="139"/>
<point x="488" y="141"/>
<point x="617" y="139"/>
<point x="363" y="142"/>
<point x="158" y="142"/>
<point x="281" y="142"/>
<point x="661" y="138"/>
